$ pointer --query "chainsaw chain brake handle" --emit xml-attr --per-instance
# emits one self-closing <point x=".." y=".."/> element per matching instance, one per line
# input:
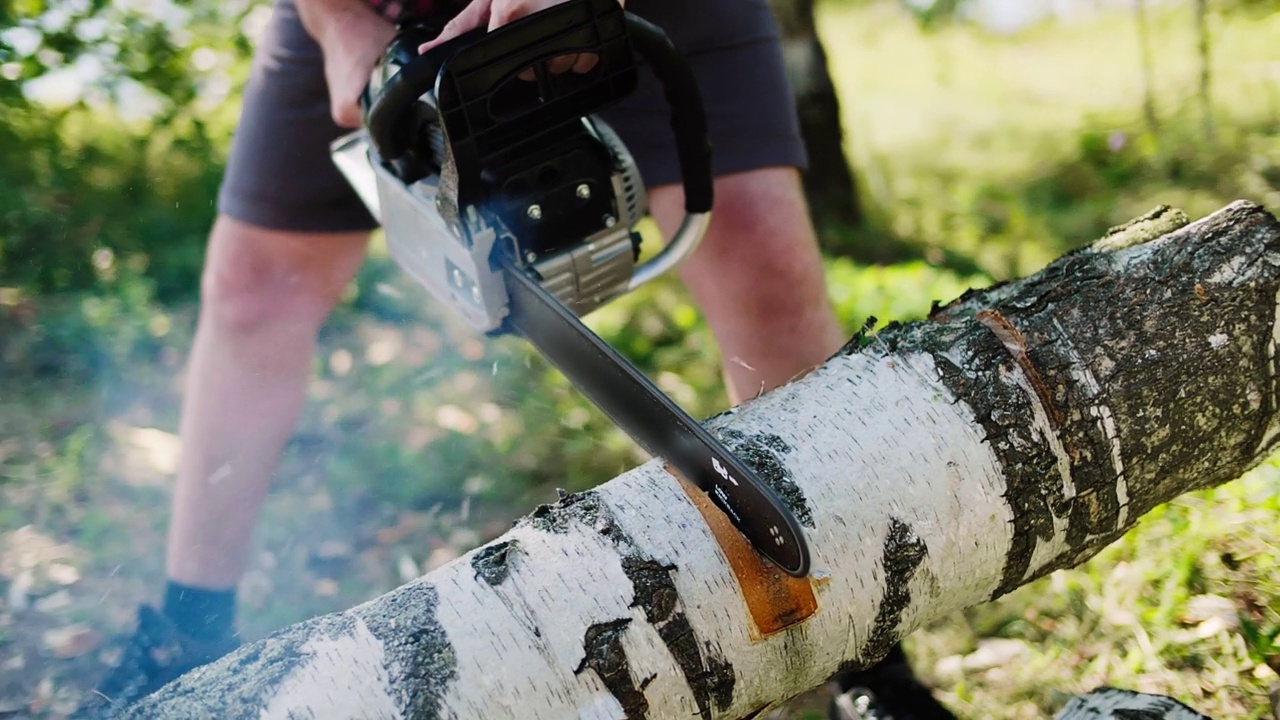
<point x="487" y="111"/>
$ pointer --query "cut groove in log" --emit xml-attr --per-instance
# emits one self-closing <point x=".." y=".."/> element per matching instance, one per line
<point x="934" y="465"/>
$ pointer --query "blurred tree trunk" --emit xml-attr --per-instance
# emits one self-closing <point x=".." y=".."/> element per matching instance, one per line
<point x="1148" y="65"/>
<point x="943" y="463"/>
<point x="829" y="182"/>
<point x="1205" y="54"/>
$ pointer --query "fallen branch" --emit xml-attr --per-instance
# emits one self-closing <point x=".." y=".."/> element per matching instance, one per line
<point x="935" y="466"/>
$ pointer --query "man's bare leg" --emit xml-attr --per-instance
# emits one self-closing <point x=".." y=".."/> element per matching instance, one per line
<point x="265" y="294"/>
<point x="758" y="279"/>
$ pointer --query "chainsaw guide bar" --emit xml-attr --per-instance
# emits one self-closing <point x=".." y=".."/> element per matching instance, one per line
<point x="656" y="422"/>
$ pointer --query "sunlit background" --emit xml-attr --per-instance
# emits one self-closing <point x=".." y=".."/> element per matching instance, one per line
<point x="985" y="138"/>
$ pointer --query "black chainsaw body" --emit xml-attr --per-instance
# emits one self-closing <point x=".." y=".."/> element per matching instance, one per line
<point x="518" y="141"/>
<point x="502" y="192"/>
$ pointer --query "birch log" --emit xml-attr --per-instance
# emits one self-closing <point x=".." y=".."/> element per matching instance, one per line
<point x="934" y="465"/>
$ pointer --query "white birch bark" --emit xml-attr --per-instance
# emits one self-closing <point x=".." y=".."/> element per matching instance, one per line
<point x="935" y="466"/>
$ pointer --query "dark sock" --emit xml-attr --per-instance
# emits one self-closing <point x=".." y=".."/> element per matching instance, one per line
<point x="203" y="614"/>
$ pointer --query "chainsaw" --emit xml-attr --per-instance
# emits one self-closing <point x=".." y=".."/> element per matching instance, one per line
<point x="501" y="192"/>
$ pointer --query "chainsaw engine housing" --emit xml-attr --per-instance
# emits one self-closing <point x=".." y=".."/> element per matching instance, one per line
<point x="452" y="253"/>
<point x="491" y="161"/>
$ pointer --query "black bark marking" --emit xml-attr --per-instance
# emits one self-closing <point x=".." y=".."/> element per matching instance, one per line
<point x="1006" y="411"/>
<point x="1149" y="713"/>
<point x="264" y="667"/>
<point x="652" y="587"/>
<point x="420" y="660"/>
<point x="1035" y="485"/>
<point x="584" y="507"/>
<point x="1172" y="419"/>
<point x="1003" y="410"/>
<point x="712" y="680"/>
<point x="416" y="645"/>
<point x="493" y="562"/>
<point x="904" y="552"/>
<point x="1153" y="707"/>
<point x="861" y="338"/>
<point x="766" y="454"/>
<point x="606" y="656"/>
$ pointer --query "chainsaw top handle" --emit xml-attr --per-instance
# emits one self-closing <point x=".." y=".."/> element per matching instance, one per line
<point x="486" y="108"/>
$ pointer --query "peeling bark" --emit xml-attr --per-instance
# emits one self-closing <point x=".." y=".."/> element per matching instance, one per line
<point x="939" y="464"/>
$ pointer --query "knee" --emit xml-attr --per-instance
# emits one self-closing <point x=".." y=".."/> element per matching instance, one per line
<point x="761" y="228"/>
<point x="761" y="218"/>
<point x="256" y="278"/>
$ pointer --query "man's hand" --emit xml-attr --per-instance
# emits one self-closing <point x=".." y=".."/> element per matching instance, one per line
<point x="493" y="14"/>
<point x="353" y="37"/>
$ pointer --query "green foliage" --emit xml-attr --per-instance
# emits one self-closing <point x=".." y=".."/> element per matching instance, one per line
<point x="82" y="187"/>
<point x="898" y="292"/>
<point x="93" y="336"/>
<point x="83" y="175"/>
<point x="1259" y="7"/>
<point x="1008" y="151"/>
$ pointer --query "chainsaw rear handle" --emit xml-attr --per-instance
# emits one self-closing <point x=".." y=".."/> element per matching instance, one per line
<point x="688" y="117"/>
<point x="386" y="112"/>
<point x="491" y="58"/>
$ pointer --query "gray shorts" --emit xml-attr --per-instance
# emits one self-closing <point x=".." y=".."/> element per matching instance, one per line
<point x="279" y="174"/>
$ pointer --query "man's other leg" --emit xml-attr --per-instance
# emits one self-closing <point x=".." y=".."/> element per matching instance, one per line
<point x="265" y="294"/>
<point x="289" y="236"/>
<point x="758" y="279"/>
